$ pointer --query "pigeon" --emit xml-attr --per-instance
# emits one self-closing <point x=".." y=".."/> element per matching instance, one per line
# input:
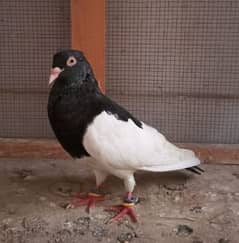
<point x="87" y="123"/>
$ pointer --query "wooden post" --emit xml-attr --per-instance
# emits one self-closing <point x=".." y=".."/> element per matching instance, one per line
<point x="88" y="33"/>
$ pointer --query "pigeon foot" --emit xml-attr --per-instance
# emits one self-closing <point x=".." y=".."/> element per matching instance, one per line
<point x="126" y="208"/>
<point x="89" y="200"/>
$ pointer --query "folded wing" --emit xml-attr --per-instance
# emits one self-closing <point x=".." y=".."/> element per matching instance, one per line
<point x="123" y="145"/>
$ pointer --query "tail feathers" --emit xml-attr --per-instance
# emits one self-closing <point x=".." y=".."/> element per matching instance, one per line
<point x="196" y="170"/>
<point x="175" y="159"/>
<point x="171" y="167"/>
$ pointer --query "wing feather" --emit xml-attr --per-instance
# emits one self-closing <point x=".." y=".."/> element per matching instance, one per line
<point x="123" y="145"/>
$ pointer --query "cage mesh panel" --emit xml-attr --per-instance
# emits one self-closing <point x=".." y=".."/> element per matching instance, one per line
<point x="174" y="64"/>
<point x="31" y="31"/>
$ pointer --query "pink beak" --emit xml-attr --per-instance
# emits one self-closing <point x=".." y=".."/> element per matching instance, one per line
<point x="54" y="75"/>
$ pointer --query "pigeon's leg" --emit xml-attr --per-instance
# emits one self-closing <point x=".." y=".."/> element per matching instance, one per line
<point x="100" y="177"/>
<point x="126" y="208"/>
<point x="90" y="199"/>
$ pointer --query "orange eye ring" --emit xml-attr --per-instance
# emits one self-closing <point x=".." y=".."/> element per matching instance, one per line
<point x="71" y="61"/>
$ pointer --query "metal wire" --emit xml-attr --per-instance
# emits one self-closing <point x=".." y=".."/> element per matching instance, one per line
<point x="31" y="31"/>
<point x="174" y="64"/>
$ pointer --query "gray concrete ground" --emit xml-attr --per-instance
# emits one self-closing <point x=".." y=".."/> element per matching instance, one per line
<point x="175" y="207"/>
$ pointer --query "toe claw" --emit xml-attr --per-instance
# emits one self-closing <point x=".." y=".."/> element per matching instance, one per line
<point x="69" y="206"/>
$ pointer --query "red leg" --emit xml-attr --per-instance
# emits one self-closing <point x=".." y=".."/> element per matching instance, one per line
<point x="89" y="200"/>
<point x="126" y="208"/>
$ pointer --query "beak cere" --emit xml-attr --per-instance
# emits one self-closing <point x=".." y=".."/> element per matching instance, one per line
<point x="54" y="74"/>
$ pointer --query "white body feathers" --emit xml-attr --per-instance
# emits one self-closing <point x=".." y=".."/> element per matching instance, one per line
<point x="120" y="148"/>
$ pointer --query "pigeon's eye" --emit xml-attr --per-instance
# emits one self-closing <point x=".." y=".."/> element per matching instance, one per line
<point x="71" y="61"/>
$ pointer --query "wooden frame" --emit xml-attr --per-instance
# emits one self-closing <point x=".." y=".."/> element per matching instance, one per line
<point x="51" y="149"/>
<point x="88" y="33"/>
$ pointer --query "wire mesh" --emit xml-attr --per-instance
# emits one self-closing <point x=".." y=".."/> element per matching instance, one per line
<point x="174" y="64"/>
<point x="31" y="31"/>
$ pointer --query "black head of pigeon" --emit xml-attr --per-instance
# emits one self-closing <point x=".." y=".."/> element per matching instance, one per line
<point x="73" y="70"/>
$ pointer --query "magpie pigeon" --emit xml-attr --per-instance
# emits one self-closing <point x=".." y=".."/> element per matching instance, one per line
<point x="89" y="124"/>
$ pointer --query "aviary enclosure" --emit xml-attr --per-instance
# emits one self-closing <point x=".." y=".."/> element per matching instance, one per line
<point x="174" y="64"/>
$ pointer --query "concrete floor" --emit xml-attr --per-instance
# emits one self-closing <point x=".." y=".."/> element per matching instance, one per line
<point x="175" y="207"/>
